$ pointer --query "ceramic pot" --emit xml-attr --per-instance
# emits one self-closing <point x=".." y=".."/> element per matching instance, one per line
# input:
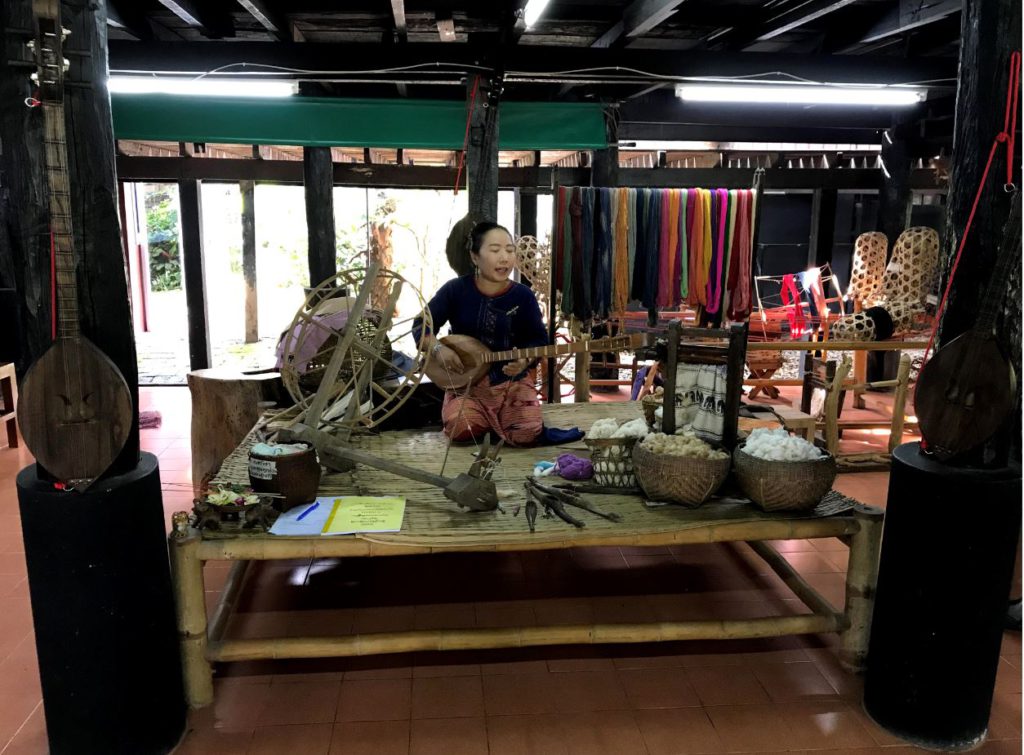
<point x="294" y="476"/>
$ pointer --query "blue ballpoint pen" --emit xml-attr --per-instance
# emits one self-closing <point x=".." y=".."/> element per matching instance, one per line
<point x="305" y="513"/>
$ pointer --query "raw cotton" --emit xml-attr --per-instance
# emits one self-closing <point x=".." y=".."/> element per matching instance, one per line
<point x="681" y="445"/>
<point x="779" y="445"/>
<point x="610" y="428"/>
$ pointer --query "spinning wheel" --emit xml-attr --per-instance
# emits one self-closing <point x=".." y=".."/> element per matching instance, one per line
<point x="368" y="367"/>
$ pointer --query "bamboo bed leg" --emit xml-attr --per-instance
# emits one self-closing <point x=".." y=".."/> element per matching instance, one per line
<point x="189" y="595"/>
<point x="899" y="403"/>
<point x="861" y="578"/>
<point x="860" y="369"/>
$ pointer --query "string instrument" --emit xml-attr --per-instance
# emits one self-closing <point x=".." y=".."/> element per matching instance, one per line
<point x="74" y="407"/>
<point x="477" y="358"/>
<point x="967" y="389"/>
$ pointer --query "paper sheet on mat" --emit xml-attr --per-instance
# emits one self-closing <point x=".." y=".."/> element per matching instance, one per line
<point x="342" y="515"/>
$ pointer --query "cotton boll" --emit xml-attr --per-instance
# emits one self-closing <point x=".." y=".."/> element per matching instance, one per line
<point x="603" y="428"/>
<point x="779" y="445"/>
<point x="636" y="428"/>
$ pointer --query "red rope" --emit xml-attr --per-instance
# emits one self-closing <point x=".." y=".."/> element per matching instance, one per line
<point x="465" y="139"/>
<point x="1007" y="136"/>
<point x="53" y="288"/>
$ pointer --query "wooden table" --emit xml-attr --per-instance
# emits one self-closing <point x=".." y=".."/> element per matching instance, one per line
<point x="434" y="525"/>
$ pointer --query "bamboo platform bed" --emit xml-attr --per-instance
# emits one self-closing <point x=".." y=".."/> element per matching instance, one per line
<point x="434" y="524"/>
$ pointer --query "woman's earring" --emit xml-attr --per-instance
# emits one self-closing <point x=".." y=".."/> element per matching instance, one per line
<point x="476" y="270"/>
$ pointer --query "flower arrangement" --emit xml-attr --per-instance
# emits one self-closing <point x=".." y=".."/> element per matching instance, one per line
<point x="232" y="495"/>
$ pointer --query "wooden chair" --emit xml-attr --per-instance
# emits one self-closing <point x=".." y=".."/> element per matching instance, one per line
<point x="832" y="377"/>
<point x="9" y="395"/>
<point x="707" y="346"/>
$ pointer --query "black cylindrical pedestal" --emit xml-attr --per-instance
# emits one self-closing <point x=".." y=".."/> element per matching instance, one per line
<point x="944" y="578"/>
<point x="104" y="613"/>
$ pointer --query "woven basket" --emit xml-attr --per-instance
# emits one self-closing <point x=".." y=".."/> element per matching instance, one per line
<point x="650" y="405"/>
<point x="613" y="461"/>
<point x="784" y="485"/>
<point x="680" y="479"/>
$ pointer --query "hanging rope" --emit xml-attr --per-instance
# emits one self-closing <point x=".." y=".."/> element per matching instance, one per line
<point x="1007" y="137"/>
<point x="465" y="139"/>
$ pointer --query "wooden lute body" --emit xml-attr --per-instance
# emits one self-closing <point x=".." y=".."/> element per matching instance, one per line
<point x="964" y="394"/>
<point x="477" y="358"/>
<point x="74" y="407"/>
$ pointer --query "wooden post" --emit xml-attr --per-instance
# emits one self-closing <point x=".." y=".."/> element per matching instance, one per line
<point x="318" y="177"/>
<point x="823" y="225"/>
<point x="989" y="32"/>
<point x="482" y="151"/>
<point x="104" y="306"/>
<point x="668" y="407"/>
<point x="894" y="195"/>
<point x="861" y="579"/>
<point x="189" y="196"/>
<point x="899" y="402"/>
<point x="248" y="191"/>
<point x="552" y="383"/>
<point x="526" y="213"/>
<point x="190" y="598"/>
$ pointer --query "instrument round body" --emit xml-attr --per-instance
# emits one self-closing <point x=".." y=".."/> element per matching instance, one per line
<point x="964" y="394"/>
<point x="75" y="410"/>
<point x="472" y="353"/>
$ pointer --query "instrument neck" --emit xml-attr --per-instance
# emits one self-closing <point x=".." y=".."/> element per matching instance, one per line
<point x="63" y="246"/>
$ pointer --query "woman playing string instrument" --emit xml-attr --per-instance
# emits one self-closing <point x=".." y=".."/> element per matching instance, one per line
<point x="503" y="315"/>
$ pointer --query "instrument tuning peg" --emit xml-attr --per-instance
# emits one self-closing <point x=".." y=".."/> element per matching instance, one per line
<point x="31" y="44"/>
<point x="34" y="77"/>
<point x="65" y="33"/>
<point x="67" y="65"/>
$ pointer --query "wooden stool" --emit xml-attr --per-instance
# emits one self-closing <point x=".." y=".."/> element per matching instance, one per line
<point x="9" y="394"/>
<point x="797" y="421"/>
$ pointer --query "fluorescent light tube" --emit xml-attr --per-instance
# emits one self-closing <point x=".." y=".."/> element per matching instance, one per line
<point x="804" y="95"/>
<point x="533" y="10"/>
<point x="209" y="86"/>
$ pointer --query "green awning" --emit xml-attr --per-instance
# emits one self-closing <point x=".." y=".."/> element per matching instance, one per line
<point x="324" y="121"/>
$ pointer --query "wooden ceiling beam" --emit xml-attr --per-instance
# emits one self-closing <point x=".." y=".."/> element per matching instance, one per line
<point x="638" y="19"/>
<point x="910" y="14"/>
<point x="126" y="15"/>
<point x="398" y="13"/>
<point x="268" y="18"/>
<point x="212" y="22"/>
<point x="445" y="26"/>
<point x="797" y="17"/>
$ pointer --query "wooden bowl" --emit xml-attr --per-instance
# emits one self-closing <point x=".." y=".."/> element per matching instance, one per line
<point x="296" y="476"/>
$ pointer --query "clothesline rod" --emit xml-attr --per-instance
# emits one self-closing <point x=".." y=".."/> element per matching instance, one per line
<point x="836" y="345"/>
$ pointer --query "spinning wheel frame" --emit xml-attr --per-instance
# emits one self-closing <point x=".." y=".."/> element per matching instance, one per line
<point x="366" y="348"/>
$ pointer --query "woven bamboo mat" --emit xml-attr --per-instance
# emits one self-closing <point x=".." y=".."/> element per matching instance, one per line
<point x="430" y="518"/>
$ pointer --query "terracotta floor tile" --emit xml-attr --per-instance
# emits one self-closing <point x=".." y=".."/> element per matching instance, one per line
<point x="564" y="611"/>
<point x="301" y="703"/>
<point x="613" y="732"/>
<point x="726" y="686"/>
<point x="375" y="700"/>
<point x="387" y="619"/>
<point x="658" y="688"/>
<point x="449" y="616"/>
<point x="215" y="742"/>
<point x="30" y="737"/>
<point x="792" y="546"/>
<point x="500" y="668"/>
<point x="448" y="736"/>
<point x="811" y="562"/>
<point x="513" y="694"/>
<point x="505" y="614"/>
<point x="370" y="738"/>
<point x="1005" y="718"/>
<point x="1001" y="747"/>
<point x="320" y="623"/>
<point x="586" y="691"/>
<point x="786" y="682"/>
<point x="751" y="728"/>
<point x="525" y="735"/>
<point x="258" y="625"/>
<point x="308" y="739"/>
<point x="656" y="660"/>
<point x="678" y="731"/>
<point x="447" y="697"/>
<point x="824" y="726"/>
<point x="561" y="665"/>
<point x="379" y="667"/>
<point x="1011" y="643"/>
<point x="429" y="670"/>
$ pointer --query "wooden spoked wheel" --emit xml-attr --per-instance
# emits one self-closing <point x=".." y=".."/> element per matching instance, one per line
<point x="368" y="364"/>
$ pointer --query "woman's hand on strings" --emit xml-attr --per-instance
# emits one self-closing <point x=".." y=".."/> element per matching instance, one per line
<point x="514" y="368"/>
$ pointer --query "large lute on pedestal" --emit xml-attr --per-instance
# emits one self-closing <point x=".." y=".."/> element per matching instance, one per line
<point x="967" y="390"/>
<point x="74" y="407"/>
<point x="477" y="358"/>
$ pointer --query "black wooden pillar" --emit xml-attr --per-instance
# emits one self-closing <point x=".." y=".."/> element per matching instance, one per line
<point x="989" y="32"/>
<point x="189" y="198"/>
<point x="526" y="213"/>
<point x="482" y="150"/>
<point x="248" y="192"/>
<point x="605" y="169"/>
<point x="894" y="195"/>
<point x="823" y="226"/>
<point x="104" y="306"/>
<point x="318" y="177"/>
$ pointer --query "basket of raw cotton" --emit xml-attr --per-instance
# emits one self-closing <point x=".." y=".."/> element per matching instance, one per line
<point x="679" y="468"/>
<point x="611" y="451"/>
<point x="783" y="472"/>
